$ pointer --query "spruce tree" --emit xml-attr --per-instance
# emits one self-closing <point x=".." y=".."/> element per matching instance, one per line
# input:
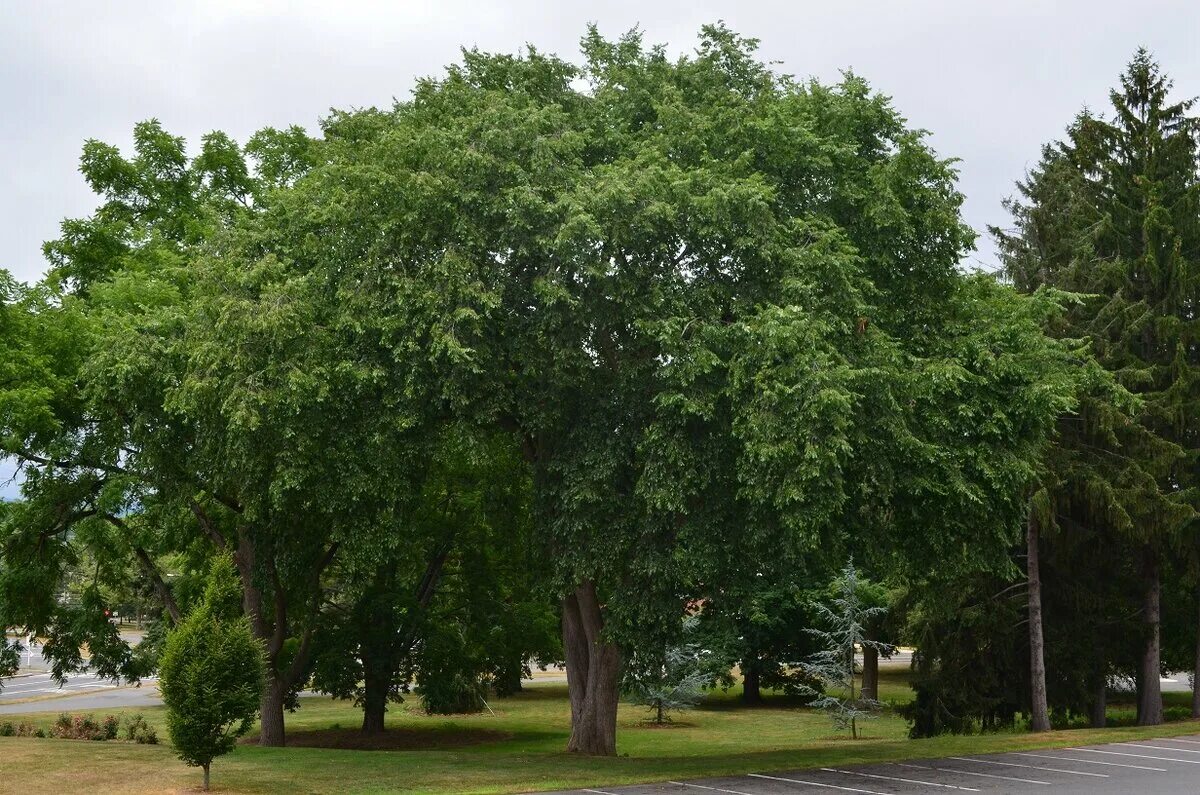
<point x="1111" y="213"/>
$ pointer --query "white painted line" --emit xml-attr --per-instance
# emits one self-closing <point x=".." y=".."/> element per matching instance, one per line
<point x="973" y="773"/>
<point x="894" y="778"/>
<point x="1138" y="756"/>
<point x="1180" y="740"/>
<point x="816" y="784"/>
<point x="1093" y="762"/>
<point x="710" y="789"/>
<point x="1030" y="767"/>
<point x="600" y="792"/>
<point x="1160" y="748"/>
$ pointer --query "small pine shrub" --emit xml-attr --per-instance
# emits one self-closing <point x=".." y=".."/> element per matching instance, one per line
<point x="211" y="674"/>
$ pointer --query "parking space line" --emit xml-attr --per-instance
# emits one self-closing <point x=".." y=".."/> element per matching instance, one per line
<point x="1138" y="756"/>
<point x="1160" y="748"/>
<point x="973" y="773"/>
<point x="1092" y="762"/>
<point x="710" y="789"/>
<point x="816" y="784"/>
<point x="894" y="778"/>
<point x="1030" y="767"/>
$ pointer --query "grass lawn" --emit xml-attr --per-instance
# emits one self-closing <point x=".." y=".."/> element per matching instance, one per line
<point x="518" y="749"/>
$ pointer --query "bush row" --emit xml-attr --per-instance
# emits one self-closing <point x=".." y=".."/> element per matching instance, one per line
<point x="85" y="727"/>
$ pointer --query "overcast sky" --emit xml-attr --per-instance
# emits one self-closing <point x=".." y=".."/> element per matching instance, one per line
<point x="991" y="81"/>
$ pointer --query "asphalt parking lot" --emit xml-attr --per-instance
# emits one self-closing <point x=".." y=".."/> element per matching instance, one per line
<point x="1164" y="767"/>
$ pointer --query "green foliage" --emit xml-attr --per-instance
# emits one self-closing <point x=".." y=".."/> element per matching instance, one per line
<point x="671" y="680"/>
<point x="139" y="731"/>
<point x="1110" y="214"/>
<point x="842" y="632"/>
<point x="211" y="674"/>
<point x="448" y="676"/>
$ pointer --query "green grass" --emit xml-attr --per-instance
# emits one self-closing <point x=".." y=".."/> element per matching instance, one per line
<point x="524" y="753"/>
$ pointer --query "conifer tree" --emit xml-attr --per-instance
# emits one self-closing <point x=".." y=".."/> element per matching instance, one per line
<point x="846" y="625"/>
<point x="1111" y="213"/>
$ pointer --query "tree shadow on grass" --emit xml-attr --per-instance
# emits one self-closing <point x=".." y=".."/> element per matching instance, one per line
<point x="399" y="738"/>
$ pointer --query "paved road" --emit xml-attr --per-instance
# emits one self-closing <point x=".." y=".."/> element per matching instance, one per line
<point x="1163" y="767"/>
<point x="81" y="691"/>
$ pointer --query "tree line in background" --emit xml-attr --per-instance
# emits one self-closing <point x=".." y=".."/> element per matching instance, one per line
<point x="537" y="363"/>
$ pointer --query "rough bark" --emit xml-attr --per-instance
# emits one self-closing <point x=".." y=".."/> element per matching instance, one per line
<point x="206" y="766"/>
<point x="271" y="731"/>
<point x="593" y="666"/>
<point x="274" y="631"/>
<point x="870" y="673"/>
<point x="751" y="682"/>
<point x="1196" y="678"/>
<point x="1039" y="713"/>
<point x="1150" y="710"/>
<point x="375" y="695"/>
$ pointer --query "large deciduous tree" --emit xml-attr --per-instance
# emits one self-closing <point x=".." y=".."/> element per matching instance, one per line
<point x="717" y="308"/>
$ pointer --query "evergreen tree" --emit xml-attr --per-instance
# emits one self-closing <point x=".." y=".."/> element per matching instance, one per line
<point x="847" y="623"/>
<point x="212" y="674"/>
<point x="673" y="679"/>
<point x="1111" y="213"/>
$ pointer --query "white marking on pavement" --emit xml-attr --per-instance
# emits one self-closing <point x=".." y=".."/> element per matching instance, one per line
<point x="973" y="773"/>
<point x="1138" y="756"/>
<point x="1093" y="762"/>
<point x="600" y="792"/>
<point x="1179" y="740"/>
<point x="816" y="784"/>
<point x="710" y="789"/>
<point x="1160" y="748"/>
<point x="893" y="778"/>
<point x="1031" y="767"/>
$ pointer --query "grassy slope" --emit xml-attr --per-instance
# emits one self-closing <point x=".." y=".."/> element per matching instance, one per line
<point x="722" y="738"/>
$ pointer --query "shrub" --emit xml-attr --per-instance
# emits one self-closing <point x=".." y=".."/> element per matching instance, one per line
<point x="211" y="675"/>
<point x="135" y="724"/>
<point x="78" y="727"/>
<point x="109" y="726"/>
<point x="7" y="729"/>
<point x="137" y="730"/>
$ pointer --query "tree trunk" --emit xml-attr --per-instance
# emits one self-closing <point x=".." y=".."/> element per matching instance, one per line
<point x="271" y="712"/>
<point x="593" y="665"/>
<point x="379" y="647"/>
<point x="1196" y="678"/>
<point x="206" y="766"/>
<point x="1099" y="710"/>
<point x="375" y="695"/>
<point x="1039" y="713"/>
<point x="1150" y="710"/>
<point x="870" y="673"/>
<point x="751" y="682"/>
